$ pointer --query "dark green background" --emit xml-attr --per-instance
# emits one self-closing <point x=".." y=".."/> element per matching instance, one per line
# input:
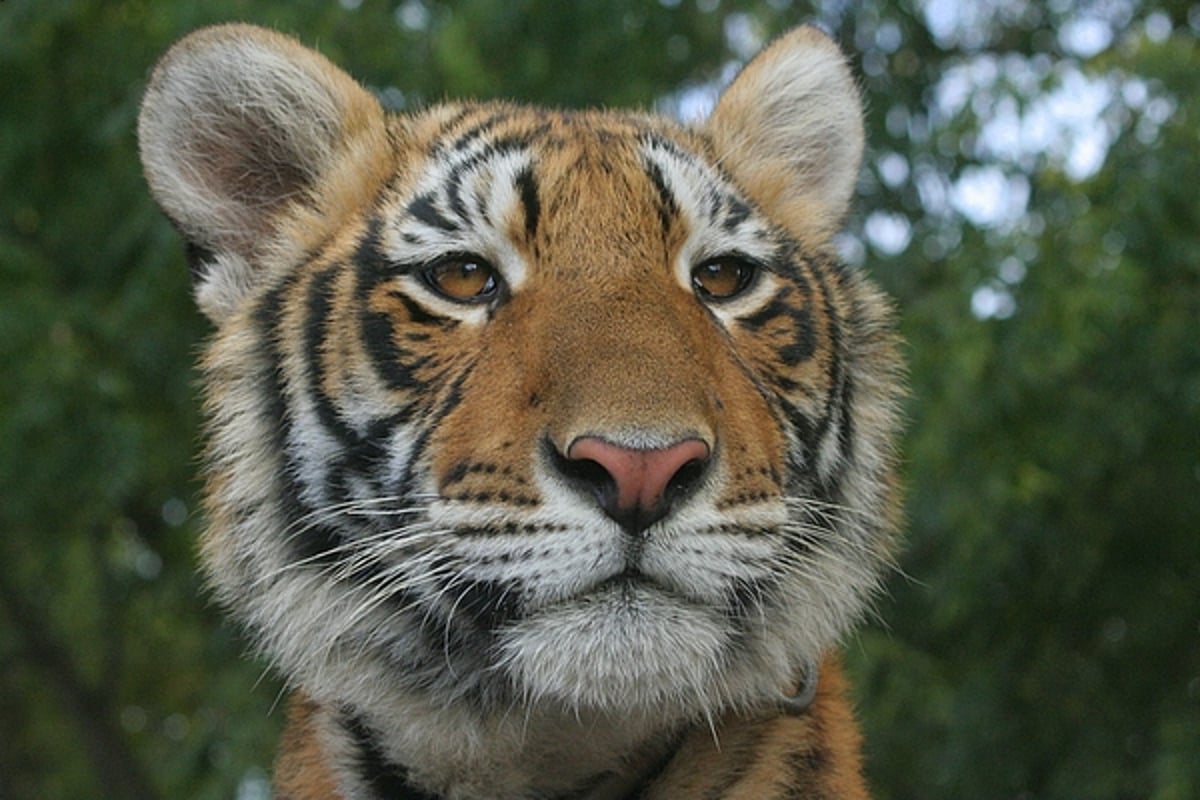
<point x="1043" y="639"/>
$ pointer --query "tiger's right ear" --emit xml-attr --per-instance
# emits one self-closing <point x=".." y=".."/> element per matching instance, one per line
<point x="243" y="129"/>
<point x="790" y="128"/>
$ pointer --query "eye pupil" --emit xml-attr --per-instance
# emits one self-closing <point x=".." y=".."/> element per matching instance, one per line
<point x="464" y="279"/>
<point x="723" y="278"/>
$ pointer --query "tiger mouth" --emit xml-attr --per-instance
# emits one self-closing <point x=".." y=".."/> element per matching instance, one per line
<point x="493" y="606"/>
<point x="635" y="590"/>
<point x="627" y="584"/>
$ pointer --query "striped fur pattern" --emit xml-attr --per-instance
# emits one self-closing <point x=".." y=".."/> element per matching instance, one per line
<point x="546" y="450"/>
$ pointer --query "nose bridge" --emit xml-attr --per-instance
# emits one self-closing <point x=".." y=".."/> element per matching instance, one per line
<point x="624" y="365"/>
<point x="621" y="338"/>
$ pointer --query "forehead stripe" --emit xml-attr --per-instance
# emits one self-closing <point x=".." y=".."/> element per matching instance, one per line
<point x="668" y="206"/>
<point x="738" y="212"/>
<point x="528" y="189"/>
<point x="480" y="130"/>
<point x="425" y="210"/>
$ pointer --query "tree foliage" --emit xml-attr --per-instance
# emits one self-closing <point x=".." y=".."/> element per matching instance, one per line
<point x="1043" y="639"/>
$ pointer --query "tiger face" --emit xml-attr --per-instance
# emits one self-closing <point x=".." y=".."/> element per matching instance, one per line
<point x="521" y="408"/>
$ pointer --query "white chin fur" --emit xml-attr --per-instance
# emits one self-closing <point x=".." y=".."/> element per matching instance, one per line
<point x="629" y="650"/>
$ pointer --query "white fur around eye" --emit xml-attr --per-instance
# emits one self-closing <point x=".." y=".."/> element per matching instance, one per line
<point x="765" y="286"/>
<point x="705" y="200"/>
<point x="487" y="202"/>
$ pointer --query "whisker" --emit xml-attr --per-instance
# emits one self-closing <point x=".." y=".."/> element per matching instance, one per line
<point x="377" y="545"/>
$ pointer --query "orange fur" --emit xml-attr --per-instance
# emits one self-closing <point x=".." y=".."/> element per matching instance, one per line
<point x="467" y="609"/>
<point x="302" y="769"/>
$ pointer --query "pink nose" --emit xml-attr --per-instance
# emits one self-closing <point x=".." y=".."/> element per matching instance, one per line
<point x="644" y="480"/>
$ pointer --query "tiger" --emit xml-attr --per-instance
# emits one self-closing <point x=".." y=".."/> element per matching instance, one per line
<point x="548" y="452"/>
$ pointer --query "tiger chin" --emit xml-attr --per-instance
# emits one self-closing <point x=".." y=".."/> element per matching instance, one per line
<point x="549" y="454"/>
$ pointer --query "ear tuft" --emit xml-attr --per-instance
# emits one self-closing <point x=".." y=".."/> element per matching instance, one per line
<point x="237" y="125"/>
<point x="789" y="129"/>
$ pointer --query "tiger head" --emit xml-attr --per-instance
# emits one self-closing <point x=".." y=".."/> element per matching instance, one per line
<point x="509" y="406"/>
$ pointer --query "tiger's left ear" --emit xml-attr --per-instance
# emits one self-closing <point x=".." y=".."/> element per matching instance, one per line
<point x="789" y="129"/>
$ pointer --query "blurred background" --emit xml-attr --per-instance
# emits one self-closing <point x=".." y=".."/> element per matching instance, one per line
<point x="1031" y="197"/>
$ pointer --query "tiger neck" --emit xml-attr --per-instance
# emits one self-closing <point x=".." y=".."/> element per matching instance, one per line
<point x="387" y="780"/>
<point x="428" y="754"/>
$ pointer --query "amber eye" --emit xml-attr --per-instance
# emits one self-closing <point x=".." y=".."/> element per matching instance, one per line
<point x="723" y="278"/>
<point x="464" y="279"/>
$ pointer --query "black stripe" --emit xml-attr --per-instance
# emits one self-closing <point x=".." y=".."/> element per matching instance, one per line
<point x="815" y="527"/>
<point x="423" y="209"/>
<point x="837" y="408"/>
<point x="737" y="772"/>
<point x="308" y="541"/>
<point x="661" y="142"/>
<point x="360" y="454"/>
<point x="489" y="604"/>
<point x="806" y="431"/>
<point x="419" y="315"/>
<point x="668" y="206"/>
<point x="503" y="144"/>
<point x="715" y="202"/>
<point x="842" y="403"/>
<point x="746" y="598"/>
<point x="370" y="260"/>
<point x="737" y="212"/>
<point x="811" y="430"/>
<point x="807" y="768"/>
<point x="455" y="119"/>
<point x="364" y="459"/>
<point x="803" y="474"/>
<point x="516" y="142"/>
<point x="385" y="779"/>
<point x="453" y="187"/>
<point x="481" y="129"/>
<point x="804" y="343"/>
<point x="319" y="541"/>
<point x="404" y="486"/>
<point x="395" y="365"/>
<point x="777" y="307"/>
<point x="316" y="324"/>
<point x="528" y="188"/>
<point x="199" y="260"/>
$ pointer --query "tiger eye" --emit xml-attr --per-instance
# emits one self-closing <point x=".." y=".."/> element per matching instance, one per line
<point x="464" y="280"/>
<point x="723" y="278"/>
